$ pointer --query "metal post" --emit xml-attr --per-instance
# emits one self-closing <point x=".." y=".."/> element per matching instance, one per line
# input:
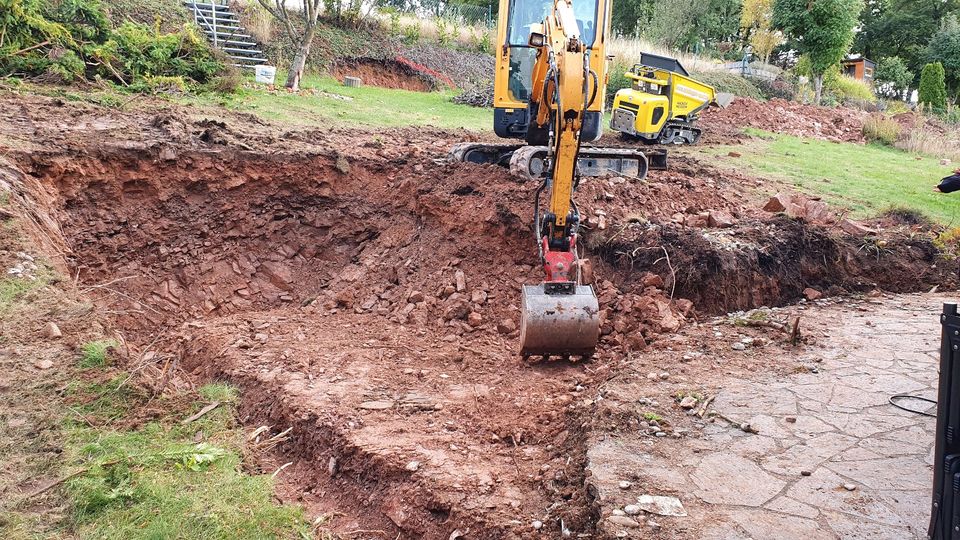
<point x="946" y="468"/>
<point x="213" y="8"/>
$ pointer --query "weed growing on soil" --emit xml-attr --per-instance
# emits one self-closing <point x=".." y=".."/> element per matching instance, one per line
<point x="96" y="353"/>
<point x="15" y="290"/>
<point x="879" y="128"/>
<point x="867" y="179"/>
<point x="166" y="479"/>
<point x="652" y="417"/>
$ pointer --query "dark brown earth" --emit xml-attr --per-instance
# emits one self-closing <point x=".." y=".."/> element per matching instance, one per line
<point x="364" y="292"/>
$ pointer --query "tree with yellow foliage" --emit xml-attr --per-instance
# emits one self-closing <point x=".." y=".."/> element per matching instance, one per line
<point x="756" y="20"/>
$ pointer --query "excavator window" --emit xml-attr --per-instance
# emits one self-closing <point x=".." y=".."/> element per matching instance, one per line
<point x="522" y="16"/>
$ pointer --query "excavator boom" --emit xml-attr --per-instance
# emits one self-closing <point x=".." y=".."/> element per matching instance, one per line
<point x="560" y="316"/>
<point x="549" y="90"/>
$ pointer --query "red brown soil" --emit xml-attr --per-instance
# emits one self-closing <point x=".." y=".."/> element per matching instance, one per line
<point x="383" y="73"/>
<point x="320" y="273"/>
<point x="781" y="116"/>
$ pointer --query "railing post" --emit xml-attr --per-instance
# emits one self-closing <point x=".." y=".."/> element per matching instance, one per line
<point x="216" y="38"/>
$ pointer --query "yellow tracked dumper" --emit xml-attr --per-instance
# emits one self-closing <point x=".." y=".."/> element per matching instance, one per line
<point x="663" y="104"/>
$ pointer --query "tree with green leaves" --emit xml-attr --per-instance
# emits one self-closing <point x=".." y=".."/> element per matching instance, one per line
<point x="933" y="87"/>
<point x="944" y="48"/>
<point x="822" y="29"/>
<point x="902" y="28"/>
<point x="892" y="78"/>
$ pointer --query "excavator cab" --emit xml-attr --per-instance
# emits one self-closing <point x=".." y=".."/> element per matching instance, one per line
<point x="513" y="80"/>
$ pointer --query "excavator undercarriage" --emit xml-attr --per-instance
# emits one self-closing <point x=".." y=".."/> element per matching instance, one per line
<point x="530" y="162"/>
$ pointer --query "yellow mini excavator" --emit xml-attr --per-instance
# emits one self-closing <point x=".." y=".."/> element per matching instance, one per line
<point x="549" y="89"/>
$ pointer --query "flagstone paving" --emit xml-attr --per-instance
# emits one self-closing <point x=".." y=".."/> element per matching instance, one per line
<point x="831" y="459"/>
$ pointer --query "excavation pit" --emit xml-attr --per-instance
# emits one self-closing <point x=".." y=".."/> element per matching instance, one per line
<point x="366" y="295"/>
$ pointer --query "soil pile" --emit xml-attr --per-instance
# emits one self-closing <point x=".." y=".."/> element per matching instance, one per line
<point x="782" y="116"/>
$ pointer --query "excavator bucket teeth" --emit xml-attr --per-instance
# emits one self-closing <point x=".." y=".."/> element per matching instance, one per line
<point x="559" y="324"/>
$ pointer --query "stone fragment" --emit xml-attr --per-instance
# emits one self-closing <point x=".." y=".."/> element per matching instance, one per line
<point x="720" y="219"/>
<point x="661" y="505"/>
<point x="586" y="271"/>
<point x="623" y="521"/>
<point x="778" y="203"/>
<point x="734" y="154"/>
<point x="474" y="319"/>
<point x="415" y="297"/>
<point x="413" y="466"/>
<point x="811" y="294"/>
<point x="688" y="402"/>
<point x="652" y="280"/>
<point x="376" y="405"/>
<point x="52" y="331"/>
<point x="43" y="364"/>
<point x="506" y="326"/>
<point x="631" y="509"/>
<point x="854" y="228"/>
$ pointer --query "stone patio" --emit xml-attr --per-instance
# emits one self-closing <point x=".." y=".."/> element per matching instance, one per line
<point x="832" y="459"/>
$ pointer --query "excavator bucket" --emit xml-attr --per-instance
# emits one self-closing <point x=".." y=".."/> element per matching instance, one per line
<point x="557" y="324"/>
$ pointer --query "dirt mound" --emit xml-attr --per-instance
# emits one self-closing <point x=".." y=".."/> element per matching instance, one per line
<point x="385" y="74"/>
<point x="781" y="116"/>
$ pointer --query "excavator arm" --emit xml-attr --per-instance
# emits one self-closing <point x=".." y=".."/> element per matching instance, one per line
<point x="559" y="316"/>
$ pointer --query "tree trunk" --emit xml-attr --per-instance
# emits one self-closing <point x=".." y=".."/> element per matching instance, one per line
<point x="817" y="88"/>
<point x="300" y="60"/>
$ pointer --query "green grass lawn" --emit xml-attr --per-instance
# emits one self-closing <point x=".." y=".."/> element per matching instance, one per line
<point x="325" y="101"/>
<point x="866" y="179"/>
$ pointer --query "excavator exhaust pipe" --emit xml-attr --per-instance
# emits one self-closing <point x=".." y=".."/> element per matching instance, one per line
<point x="559" y="324"/>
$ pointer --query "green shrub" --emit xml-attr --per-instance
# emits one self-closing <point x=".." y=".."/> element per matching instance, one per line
<point x="933" y="86"/>
<point x="892" y="77"/>
<point x="618" y="80"/>
<point x="879" y="128"/>
<point x="847" y="89"/>
<point x="723" y="81"/>
<point x="411" y="34"/>
<point x="72" y="39"/>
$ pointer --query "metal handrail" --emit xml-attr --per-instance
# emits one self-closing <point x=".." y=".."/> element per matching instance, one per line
<point x="212" y="26"/>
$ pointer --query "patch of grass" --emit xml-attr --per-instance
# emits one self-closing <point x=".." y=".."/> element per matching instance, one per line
<point x="324" y="101"/>
<point x="157" y="481"/>
<point x="867" y="179"/>
<point x="222" y="392"/>
<point x="881" y="129"/>
<point x="652" y="417"/>
<point x="16" y="290"/>
<point x="96" y="353"/>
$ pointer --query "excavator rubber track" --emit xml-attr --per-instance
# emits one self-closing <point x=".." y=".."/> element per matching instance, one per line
<point x="526" y="161"/>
